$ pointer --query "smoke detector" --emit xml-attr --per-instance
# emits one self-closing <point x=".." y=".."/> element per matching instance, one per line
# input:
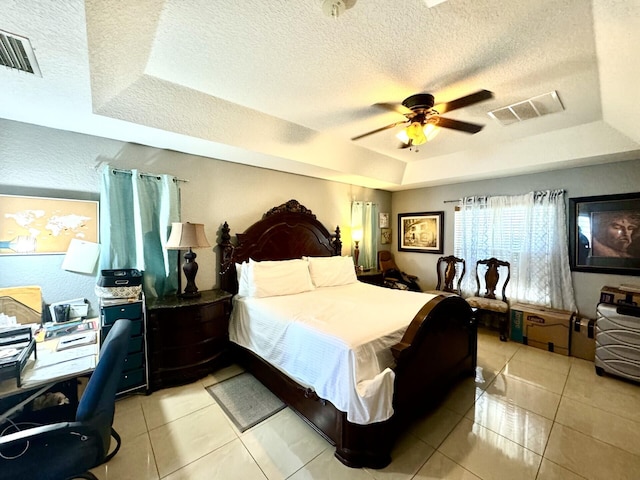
<point x="333" y="8"/>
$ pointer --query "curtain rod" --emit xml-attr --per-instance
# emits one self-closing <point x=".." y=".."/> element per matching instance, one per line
<point x="142" y="174"/>
<point x="452" y="201"/>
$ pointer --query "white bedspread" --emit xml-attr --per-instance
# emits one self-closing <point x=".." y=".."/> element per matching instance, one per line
<point x="333" y="339"/>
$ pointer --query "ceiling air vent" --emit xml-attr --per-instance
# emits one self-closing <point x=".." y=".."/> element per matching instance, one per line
<point x="532" y="108"/>
<point x="16" y="52"/>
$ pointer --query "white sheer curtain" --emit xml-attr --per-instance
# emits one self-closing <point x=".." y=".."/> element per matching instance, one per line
<point x="530" y="232"/>
<point x="364" y="216"/>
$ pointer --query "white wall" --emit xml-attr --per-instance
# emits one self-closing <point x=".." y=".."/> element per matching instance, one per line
<point x="40" y="161"/>
<point x="612" y="178"/>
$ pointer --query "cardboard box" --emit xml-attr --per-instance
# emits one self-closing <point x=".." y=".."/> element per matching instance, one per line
<point x="618" y="296"/>
<point x="540" y="327"/>
<point x="583" y="338"/>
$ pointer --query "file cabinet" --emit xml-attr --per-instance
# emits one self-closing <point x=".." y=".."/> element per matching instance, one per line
<point x="188" y="337"/>
<point x="134" y="373"/>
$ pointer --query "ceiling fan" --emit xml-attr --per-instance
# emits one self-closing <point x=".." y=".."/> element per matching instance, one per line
<point x="422" y="118"/>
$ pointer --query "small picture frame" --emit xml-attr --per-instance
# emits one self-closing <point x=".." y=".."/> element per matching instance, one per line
<point x="421" y="232"/>
<point x="383" y="220"/>
<point x="604" y="234"/>
<point x="385" y="236"/>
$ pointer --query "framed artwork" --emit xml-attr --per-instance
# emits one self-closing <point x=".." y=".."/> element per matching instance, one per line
<point x="421" y="232"/>
<point x="383" y="220"/>
<point x="39" y="225"/>
<point x="385" y="236"/>
<point x="604" y="234"/>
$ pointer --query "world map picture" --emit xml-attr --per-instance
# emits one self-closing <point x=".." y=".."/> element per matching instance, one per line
<point x="32" y="225"/>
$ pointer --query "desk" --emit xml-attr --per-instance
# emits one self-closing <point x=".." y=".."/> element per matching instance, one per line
<point x="49" y="368"/>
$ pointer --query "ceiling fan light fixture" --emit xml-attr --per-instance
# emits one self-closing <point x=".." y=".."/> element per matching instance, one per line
<point x="415" y="132"/>
<point x="333" y="8"/>
<point x="418" y="134"/>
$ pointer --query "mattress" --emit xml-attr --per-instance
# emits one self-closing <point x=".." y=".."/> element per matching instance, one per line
<point x="335" y="340"/>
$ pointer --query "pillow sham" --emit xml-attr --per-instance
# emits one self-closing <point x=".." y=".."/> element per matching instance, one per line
<point x="243" y="278"/>
<point x="332" y="271"/>
<point x="274" y="278"/>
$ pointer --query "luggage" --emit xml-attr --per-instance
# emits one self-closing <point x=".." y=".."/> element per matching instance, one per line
<point x="618" y="341"/>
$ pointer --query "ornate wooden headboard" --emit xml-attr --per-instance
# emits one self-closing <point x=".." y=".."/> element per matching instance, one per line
<point x="287" y="231"/>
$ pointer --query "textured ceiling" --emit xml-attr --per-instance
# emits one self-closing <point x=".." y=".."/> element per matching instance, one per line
<point x="279" y="84"/>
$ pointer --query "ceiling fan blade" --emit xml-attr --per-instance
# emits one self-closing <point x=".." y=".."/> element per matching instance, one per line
<point x="379" y="130"/>
<point x="405" y="145"/>
<point x="455" y="124"/>
<point x="461" y="102"/>
<point x="394" y="107"/>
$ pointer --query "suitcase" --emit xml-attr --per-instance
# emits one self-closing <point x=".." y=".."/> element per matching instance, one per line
<point x="618" y="341"/>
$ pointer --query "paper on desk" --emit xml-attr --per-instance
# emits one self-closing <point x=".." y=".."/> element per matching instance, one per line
<point x="67" y="369"/>
<point x="47" y="357"/>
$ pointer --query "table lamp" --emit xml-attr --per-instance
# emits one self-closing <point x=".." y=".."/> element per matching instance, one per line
<point x="183" y="236"/>
<point x="356" y="236"/>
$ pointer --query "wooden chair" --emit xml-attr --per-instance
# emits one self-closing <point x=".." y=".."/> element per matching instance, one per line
<point x="392" y="276"/>
<point x="449" y="269"/>
<point x="488" y="278"/>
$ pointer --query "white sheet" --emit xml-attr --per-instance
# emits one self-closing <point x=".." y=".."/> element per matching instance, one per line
<point x="333" y="339"/>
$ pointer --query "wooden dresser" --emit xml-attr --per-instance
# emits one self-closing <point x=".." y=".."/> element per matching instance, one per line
<point x="187" y="337"/>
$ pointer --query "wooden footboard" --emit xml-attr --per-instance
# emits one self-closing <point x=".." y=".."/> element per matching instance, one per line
<point x="438" y="348"/>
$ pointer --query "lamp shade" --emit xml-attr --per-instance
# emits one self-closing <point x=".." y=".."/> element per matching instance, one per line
<point x="356" y="234"/>
<point x="187" y="235"/>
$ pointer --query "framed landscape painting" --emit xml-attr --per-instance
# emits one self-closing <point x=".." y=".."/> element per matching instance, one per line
<point x="604" y="234"/>
<point x="421" y="232"/>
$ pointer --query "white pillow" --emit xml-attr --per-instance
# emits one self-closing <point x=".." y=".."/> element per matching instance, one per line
<point x="332" y="271"/>
<point x="243" y="278"/>
<point x="273" y="278"/>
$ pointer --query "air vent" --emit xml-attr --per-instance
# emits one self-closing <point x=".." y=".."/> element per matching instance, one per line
<point x="16" y="53"/>
<point x="532" y="108"/>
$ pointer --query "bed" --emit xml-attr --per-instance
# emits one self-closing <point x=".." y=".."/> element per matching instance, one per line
<point x="426" y="358"/>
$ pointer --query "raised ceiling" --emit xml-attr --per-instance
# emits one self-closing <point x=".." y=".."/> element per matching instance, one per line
<point x="281" y="85"/>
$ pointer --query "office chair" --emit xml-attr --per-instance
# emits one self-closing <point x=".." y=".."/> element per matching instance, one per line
<point x="393" y="277"/>
<point x="67" y="450"/>
<point x="487" y="303"/>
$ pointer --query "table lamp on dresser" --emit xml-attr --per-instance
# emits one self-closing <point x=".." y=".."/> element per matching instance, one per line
<point x="188" y="236"/>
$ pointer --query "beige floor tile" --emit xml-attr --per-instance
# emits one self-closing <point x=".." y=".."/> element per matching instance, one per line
<point x="407" y="457"/>
<point x="515" y="423"/>
<point x="434" y="427"/>
<point x="134" y="461"/>
<point x="190" y="437"/>
<point x="283" y="444"/>
<point x="607" y="427"/>
<point x="537" y="376"/>
<point x="129" y="420"/>
<point x="462" y="396"/>
<point x="589" y="457"/>
<point x="541" y="358"/>
<point x="439" y="467"/>
<point x="221" y="375"/>
<point x="607" y="393"/>
<point x="535" y="399"/>
<point x="489" y="340"/>
<point x="326" y="467"/>
<point x="229" y="462"/>
<point x="169" y="404"/>
<point x="489" y="366"/>
<point x="488" y="455"/>
<point x="552" y="471"/>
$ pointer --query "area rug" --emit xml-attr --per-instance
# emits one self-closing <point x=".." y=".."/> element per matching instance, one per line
<point x="245" y="400"/>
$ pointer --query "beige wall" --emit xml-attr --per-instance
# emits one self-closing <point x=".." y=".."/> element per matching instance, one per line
<point x="622" y="177"/>
<point x="45" y="162"/>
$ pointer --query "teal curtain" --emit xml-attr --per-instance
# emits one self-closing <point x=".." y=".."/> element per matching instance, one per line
<point x="364" y="216"/>
<point x="136" y="212"/>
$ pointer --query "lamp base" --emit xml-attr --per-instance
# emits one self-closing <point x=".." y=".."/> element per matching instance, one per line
<point x="190" y="268"/>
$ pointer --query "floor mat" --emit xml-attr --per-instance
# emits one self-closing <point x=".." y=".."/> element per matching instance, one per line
<point x="245" y="400"/>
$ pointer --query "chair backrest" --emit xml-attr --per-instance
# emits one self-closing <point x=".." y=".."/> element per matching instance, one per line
<point x="97" y="405"/>
<point x="386" y="262"/>
<point x="489" y="270"/>
<point x="449" y="269"/>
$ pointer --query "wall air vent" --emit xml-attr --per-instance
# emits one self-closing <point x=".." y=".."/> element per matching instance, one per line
<point x="16" y="53"/>
<point x="531" y="108"/>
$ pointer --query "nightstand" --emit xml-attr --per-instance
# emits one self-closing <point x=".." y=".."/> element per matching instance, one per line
<point x="373" y="276"/>
<point x="187" y="338"/>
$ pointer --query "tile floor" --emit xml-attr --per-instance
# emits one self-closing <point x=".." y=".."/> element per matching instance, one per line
<point x="529" y="414"/>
